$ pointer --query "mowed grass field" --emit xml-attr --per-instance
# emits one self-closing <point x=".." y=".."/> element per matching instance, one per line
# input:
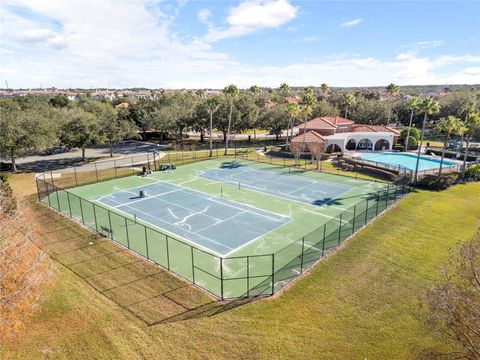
<point x="361" y="302"/>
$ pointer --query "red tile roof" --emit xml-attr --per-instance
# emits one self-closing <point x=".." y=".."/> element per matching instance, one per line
<point x="310" y="136"/>
<point x="373" y="128"/>
<point x="319" y="123"/>
<point x="337" y="120"/>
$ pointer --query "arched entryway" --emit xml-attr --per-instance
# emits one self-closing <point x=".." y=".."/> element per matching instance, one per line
<point x="382" y="144"/>
<point x="333" y="148"/>
<point x="351" y="144"/>
<point x="364" y="144"/>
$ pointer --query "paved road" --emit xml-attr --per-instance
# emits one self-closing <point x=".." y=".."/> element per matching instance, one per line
<point x="126" y="150"/>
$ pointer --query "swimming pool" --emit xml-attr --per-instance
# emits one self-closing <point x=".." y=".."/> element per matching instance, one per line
<point x="406" y="160"/>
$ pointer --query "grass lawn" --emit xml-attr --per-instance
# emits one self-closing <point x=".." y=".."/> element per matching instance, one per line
<point x="361" y="302"/>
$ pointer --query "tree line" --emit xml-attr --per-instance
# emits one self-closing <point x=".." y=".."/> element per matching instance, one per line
<point x="33" y="123"/>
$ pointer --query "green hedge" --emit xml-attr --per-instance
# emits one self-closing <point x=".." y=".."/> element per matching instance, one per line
<point x="473" y="171"/>
<point x="437" y="182"/>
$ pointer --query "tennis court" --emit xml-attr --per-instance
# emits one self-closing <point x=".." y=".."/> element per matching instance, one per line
<point x="292" y="187"/>
<point x="209" y="222"/>
<point x="233" y="227"/>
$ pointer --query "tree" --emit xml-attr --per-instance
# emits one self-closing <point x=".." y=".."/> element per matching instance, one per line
<point x="412" y="105"/>
<point x="297" y="148"/>
<point x="454" y="304"/>
<point x="448" y="126"/>
<point x="325" y="88"/>
<point x="212" y="106"/>
<point x="467" y="108"/>
<point x="317" y="149"/>
<point x="255" y="91"/>
<point x="276" y="118"/>
<point x="348" y="101"/>
<point x="428" y="107"/>
<point x="31" y="127"/>
<point x="81" y="130"/>
<point x="293" y="110"/>
<point x="472" y="128"/>
<point x="231" y="91"/>
<point x="308" y="101"/>
<point x="284" y="88"/>
<point x="115" y="129"/>
<point x="200" y="93"/>
<point x="392" y="89"/>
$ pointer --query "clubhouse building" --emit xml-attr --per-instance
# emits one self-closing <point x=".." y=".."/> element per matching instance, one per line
<point x="340" y="134"/>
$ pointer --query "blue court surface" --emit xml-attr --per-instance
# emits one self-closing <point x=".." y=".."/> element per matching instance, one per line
<point x="292" y="187"/>
<point x="211" y="222"/>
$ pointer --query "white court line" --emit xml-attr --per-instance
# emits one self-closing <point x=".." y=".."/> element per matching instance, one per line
<point x="221" y="221"/>
<point x="149" y="197"/>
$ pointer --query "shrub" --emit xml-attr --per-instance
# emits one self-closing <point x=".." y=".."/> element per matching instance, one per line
<point x="473" y="171"/>
<point x="453" y="155"/>
<point x="414" y="132"/>
<point x="399" y="147"/>
<point x="436" y="182"/>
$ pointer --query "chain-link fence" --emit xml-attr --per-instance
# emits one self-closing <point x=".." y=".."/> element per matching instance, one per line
<point x="225" y="277"/>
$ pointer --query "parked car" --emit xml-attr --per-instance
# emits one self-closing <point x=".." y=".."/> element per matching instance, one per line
<point x="275" y="132"/>
<point x="56" y="150"/>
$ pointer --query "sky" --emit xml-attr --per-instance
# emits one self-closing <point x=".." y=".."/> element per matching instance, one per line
<point x="210" y="44"/>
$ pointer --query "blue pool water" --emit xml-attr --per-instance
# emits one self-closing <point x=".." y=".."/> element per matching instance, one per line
<point x="406" y="160"/>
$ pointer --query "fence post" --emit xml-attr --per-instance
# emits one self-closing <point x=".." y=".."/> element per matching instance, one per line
<point x="248" y="276"/>
<point x="133" y="168"/>
<point x="38" y="189"/>
<point x="193" y="266"/>
<point x="96" y="171"/>
<point x="51" y="178"/>
<point x="146" y="241"/>
<point x="75" y="173"/>
<point x="324" y="236"/>
<point x="386" y="197"/>
<point x="273" y="274"/>
<point x="366" y="214"/>
<point x="110" y="224"/>
<point x="126" y="231"/>
<point x="168" y="254"/>
<point x="95" y="217"/>
<point x="69" y="206"/>
<point x="340" y="229"/>
<point x="221" y="278"/>
<point x="81" y="210"/>
<point x="58" y="199"/>
<point x="378" y="201"/>
<point x="115" y="167"/>
<point x="301" y="261"/>
<point x="354" y="215"/>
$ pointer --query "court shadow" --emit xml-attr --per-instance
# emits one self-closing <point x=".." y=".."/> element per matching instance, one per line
<point x="145" y="290"/>
<point x="231" y="165"/>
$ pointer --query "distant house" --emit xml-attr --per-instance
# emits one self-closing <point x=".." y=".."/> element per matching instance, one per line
<point x="340" y="134"/>
<point x="291" y="99"/>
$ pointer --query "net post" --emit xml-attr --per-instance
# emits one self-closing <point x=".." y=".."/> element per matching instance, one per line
<point x="273" y="273"/>
<point x="96" y="171"/>
<point x="126" y="231"/>
<point x="324" y="238"/>
<point x="301" y="261"/>
<point x="221" y="278"/>
<point x="75" y="173"/>
<point x="168" y="254"/>
<point x="146" y="242"/>
<point x="340" y="229"/>
<point x="354" y="216"/>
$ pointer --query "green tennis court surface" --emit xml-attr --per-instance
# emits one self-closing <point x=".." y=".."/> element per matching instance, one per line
<point x="235" y="228"/>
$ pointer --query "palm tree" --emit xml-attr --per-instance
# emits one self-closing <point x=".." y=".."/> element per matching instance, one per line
<point x="212" y="105"/>
<point x="325" y="88"/>
<point x="472" y="128"/>
<point x="308" y="101"/>
<point x="200" y="93"/>
<point x="466" y="109"/>
<point x="255" y="90"/>
<point x="293" y="110"/>
<point x="428" y="107"/>
<point x="231" y="91"/>
<point x="348" y="100"/>
<point x="284" y="88"/>
<point x="449" y="126"/>
<point x="412" y="105"/>
<point x="392" y="89"/>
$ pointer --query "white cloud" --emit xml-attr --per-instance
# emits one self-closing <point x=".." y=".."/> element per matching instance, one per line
<point x="351" y="23"/>
<point x="204" y="14"/>
<point x="250" y="16"/>
<point x="121" y="44"/>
